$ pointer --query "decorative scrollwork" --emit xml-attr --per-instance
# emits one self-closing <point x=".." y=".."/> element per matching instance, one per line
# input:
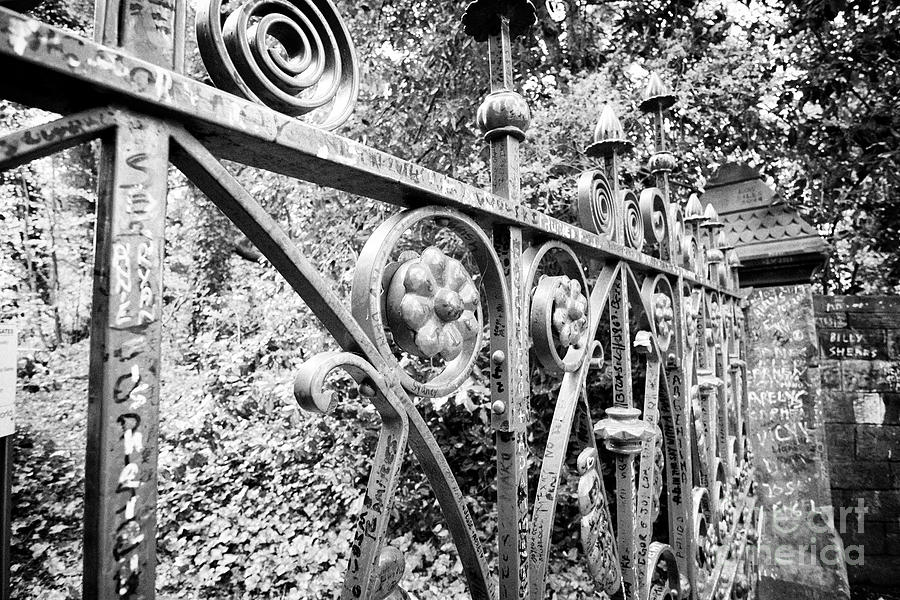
<point x="659" y="298"/>
<point x="597" y="539"/>
<point x="689" y="252"/>
<point x="663" y="575"/>
<point x="721" y="496"/>
<point x="704" y="538"/>
<point x="691" y="306"/>
<point x="634" y="220"/>
<point x="388" y="574"/>
<point x="373" y="572"/>
<point x="664" y="318"/>
<point x="713" y="319"/>
<point x="597" y="211"/>
<point x="433" y="307"/>
<point x="295" y="56"/>
<point x="655" y="214"/>
<point x="437" y="314"/>
<point x="676" y="219"/>
<point x="559" y="321"/>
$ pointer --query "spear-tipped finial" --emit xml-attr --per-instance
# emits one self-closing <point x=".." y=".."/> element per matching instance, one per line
<point x="722" y="242"/>
<point x="609" y="136"/>
<point x="657" y="95"/>
<point x="693" y="212"/>
<point x="711" y="218"/>
<point x="734" y="263"/>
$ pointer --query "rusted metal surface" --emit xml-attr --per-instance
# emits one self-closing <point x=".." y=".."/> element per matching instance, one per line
<point x="643" y="291"/>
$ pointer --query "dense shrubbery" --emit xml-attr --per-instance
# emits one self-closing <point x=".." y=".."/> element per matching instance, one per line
<point x="256" y="498"/>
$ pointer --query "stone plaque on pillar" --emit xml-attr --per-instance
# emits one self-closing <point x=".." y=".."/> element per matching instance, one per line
<point x="800" y="553"/>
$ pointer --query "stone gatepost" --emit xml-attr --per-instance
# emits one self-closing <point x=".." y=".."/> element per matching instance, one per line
<point x="800" y="551"/>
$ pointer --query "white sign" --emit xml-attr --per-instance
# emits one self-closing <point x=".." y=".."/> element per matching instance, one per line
<point x="8" y="359"/>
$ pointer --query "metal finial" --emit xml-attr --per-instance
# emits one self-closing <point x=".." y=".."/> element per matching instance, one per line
<point x="657" y="95"/>
<point x="694" y="210"/>
<point x="609" y="136"/>
<point x="722" y="242"/>
<point x="482" y="18"/>
<point x="504" y="113"/>
<point x="711" y="218"/>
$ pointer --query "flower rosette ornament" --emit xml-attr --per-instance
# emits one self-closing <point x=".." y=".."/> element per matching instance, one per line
<point x="433" y="307"/>
<point x="664" y="319"/>
<point x="559" y="322"/>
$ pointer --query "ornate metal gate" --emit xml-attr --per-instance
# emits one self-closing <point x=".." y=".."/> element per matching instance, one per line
<point x="641" y="287"/>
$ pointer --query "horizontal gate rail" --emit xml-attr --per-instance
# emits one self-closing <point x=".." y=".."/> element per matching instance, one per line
<point x="242" y="131"/>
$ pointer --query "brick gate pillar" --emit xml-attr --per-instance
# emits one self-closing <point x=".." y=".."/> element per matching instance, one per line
<point x="800" y="552"/>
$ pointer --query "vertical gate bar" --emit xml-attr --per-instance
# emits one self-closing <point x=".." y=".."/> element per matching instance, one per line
<point x="709" y="416"/>
<point x="722" y="421"/>
<point x="647" y="464"/>
<point x="511" y="423"/>
<point x="152" y="30"/>
<point x="123" y="397"/>
<point x="657" y="99"/>
<point x="6" y="450"/>
<point x="680" y="485"/>
<point x="620" y="349"/>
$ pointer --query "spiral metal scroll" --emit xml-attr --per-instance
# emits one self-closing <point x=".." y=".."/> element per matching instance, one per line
<point x="655" y="214"/>
<point x="676" y="219"/>
<point x="373" y="572"/>
<point x="689" y="251"/>
<point x="634" y="220"/>
<point x="597" y="211"/>
<point x="295" y="56"/>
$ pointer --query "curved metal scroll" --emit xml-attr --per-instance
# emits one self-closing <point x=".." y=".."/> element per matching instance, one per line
<point x="370" y="277"/>
<point x="366" y="549"/>
<point x="295" y="56"/>
<point x="220" y="186"/>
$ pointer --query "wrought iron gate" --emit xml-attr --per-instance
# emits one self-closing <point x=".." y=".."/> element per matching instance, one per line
<point x="650" y="278"/>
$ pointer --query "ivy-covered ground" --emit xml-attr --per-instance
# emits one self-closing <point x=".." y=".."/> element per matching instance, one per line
<point x="256" y="498"/>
